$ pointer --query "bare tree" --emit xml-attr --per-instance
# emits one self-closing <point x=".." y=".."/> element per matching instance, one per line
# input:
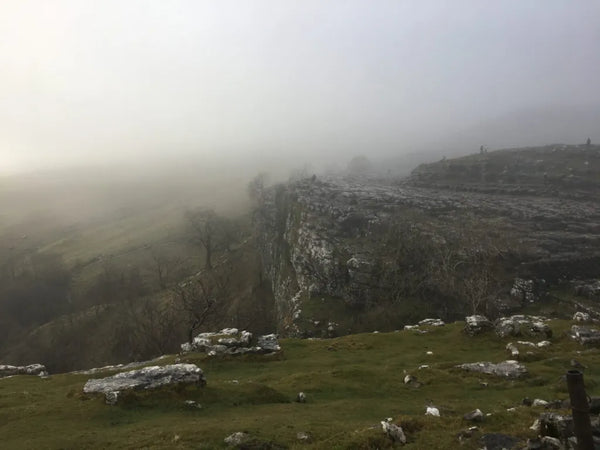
<point x="203" y="298"/>
<point x="165" y="267"/>
<point x="204" y="226"/>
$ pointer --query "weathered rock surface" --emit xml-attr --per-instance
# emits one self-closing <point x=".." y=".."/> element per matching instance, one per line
<point x="474" y="416"/>
<point x="32" y="369"/>
<point x="237" y="438"/>
<point x="131" y="365"/>
<point x="581" y="316"/>
<point x="231" y="341"/>
<point x="556" y="425"/>
<point x="394" y="432"/>
<point x="432" y="322"/>
<point x="506" y="369"/>
<point x="585" y="335"/>
<point x="321" y="238"/>
<point x="147" y="378"/>
<point x="477" y="324"/>
<point x="521" y="325"/>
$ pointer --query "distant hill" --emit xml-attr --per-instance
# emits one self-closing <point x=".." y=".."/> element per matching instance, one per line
<point x="521" y="128"/>
<point x="556" y="170"/>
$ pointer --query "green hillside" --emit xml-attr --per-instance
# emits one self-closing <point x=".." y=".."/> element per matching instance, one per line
<point x="351" y="384"/>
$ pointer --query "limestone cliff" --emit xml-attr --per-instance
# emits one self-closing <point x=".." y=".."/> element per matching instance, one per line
<point x="338" y="249"/>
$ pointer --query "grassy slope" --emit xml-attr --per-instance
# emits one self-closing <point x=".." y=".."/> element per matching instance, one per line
<point x="351" y="383"/>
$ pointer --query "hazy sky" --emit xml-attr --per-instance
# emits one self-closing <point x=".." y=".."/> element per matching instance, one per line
<point x="86" y="81"/>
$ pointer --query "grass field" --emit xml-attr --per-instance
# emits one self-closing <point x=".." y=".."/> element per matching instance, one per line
<point x="351" y="384"/>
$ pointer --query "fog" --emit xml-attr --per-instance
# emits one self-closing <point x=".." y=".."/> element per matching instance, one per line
<point x="274" y="82"/>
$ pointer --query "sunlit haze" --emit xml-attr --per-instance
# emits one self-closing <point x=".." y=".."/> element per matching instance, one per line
<point x="85" y="82"/>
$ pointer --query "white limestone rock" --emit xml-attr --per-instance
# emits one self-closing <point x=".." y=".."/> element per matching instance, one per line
<point x="147" y="378"/>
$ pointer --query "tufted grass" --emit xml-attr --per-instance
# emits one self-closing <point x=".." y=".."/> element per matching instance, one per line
<point x="351" y="383"/>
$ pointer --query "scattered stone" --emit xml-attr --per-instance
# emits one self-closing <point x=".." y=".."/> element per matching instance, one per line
<point x="304" y="436"/>
<point x="506" y="369"/>
<point x="429" y="353"/>
<point x="269" y="343"/>
<point x="556" y="425"/>
<point x="193" y="404"/>
<point x="423" y="366"/>
<point x="147" y="378"/>
<point x="539" y="402"/>
<point x="432" y="322"/>
<point x="466" y="433"/>
<point x="549" y="443"/>
<point x="536" y="426"/>
<point x="394" y="432"/>
<point x="585" y="335"/>
<point x="111" y="397"/>
<point x="409" y="379"/>
<point x="528" y="343"/>
<point x="474" y="416"/>
<point x="543" y="344"/>
<point x="32" y="369"/>
<point x="477" y="324"/>
<point x="521" y="325"/>
<point x="301" y="397"/>
<point x="237" y="438"/>
<point x="581" y="316"/>
<point x="513" y="350"/>
<point x="432" y="411"/>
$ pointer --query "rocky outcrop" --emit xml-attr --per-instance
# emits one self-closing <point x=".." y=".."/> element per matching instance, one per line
<point x="520" y="325"/>
<point x="505" y="369"/>
<point x="32" y="369"/>
<point x="360" y="241"/>
<point x="477" y="324"/>
<point x="231" y="341"/>
<point x="147" y="378"/>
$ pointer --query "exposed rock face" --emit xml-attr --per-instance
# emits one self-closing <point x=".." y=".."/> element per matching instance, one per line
<point x="330" y="238"/>
<point x="32" y="369"/>
<point x="230" y="341"/>
<point x="147" y="378"/>
<point x="522" y="326"/>
<point x="477" y="324"/>
<point x="506" y="369"/>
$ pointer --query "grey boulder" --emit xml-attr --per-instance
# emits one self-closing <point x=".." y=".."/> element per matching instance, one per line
<point x="147" y="378"/>
<point x="505" y="369"/>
